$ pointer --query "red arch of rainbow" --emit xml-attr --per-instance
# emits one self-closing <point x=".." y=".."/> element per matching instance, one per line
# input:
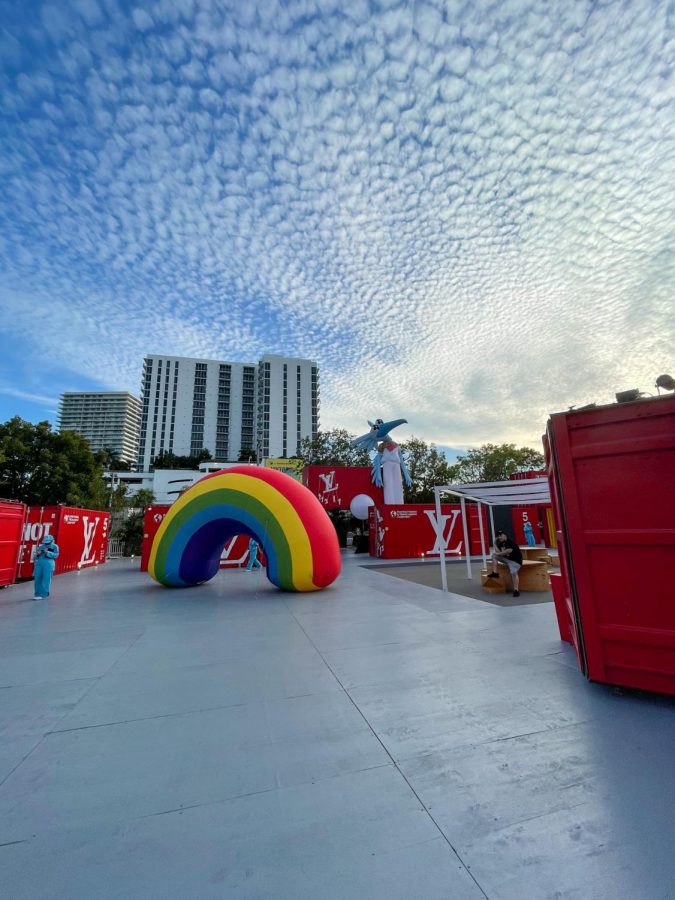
<point x="285" y="518"/>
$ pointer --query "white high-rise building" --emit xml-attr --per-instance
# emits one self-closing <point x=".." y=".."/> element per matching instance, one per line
<point x="109" y="420"/>
<point x="226" y="407"/>
<point x="288" y="404"/>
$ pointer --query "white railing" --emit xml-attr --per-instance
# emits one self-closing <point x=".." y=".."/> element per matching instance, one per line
<point x="115" y="549"/>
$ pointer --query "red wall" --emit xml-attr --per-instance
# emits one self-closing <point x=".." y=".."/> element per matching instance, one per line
<point x="82" y="536"/>
<point x="12" y="517"/>
<point x="152" y="519"/>
<point x="336" y="486"/>
<point x="411" y="530"/>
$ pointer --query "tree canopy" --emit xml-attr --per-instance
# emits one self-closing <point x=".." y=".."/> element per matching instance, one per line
<point x="168" y="460"/>
<point x="427" y="467"/>
<point x="41" y="467"/>
<point x="426" y="464"/>
<point x="129" y="529"/>
<point x="495" y="462"/>
<point x="332" y="448"/>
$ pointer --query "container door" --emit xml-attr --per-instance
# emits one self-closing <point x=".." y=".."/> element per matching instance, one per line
<point x="614" y="470"/>
<point x="12" y="517"/>
<point x="567" y="612"/>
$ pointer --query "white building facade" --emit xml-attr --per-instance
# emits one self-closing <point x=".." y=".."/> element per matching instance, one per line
<point x="226" y="408"/>
<point x="166" y="485"/>
<point x="109" y="420"/>
<point x="288" y="404"/>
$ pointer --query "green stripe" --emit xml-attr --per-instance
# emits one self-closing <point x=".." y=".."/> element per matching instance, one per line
<point x="269" y="527"/>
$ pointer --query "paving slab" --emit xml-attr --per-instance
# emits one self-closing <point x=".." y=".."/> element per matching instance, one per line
<point x="379" y="739"/>
<point x="358" y="835"/>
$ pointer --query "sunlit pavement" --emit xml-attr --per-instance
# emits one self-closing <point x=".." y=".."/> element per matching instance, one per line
<point x="377" y="740"/>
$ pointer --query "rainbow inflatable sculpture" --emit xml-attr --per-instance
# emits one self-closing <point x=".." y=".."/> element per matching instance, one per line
<point x="285" y="518"/>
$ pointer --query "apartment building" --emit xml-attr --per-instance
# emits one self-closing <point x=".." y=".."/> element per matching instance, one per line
<point x="226" y="407"/>
<point x="108" y="420"/>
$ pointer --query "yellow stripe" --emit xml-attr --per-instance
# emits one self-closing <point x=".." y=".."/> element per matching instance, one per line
<point x="551" y="527"/>
<point x="280" y="508"/>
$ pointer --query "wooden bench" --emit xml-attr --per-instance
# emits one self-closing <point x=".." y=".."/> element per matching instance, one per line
<point x="535" y="553"/>
<point x="539" y="554"/>
<point x="533" y="576"/>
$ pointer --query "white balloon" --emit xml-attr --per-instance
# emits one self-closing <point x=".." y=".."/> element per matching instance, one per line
<point x="360" y="505"/>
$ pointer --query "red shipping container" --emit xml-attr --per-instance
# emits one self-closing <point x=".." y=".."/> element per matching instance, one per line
<point x="152" y="519"/>
<point x="12" y="518"/>
<point x="82" y="536"/>
<point x="411" y="530"/>
<point x="235" y="551"/>
<point x="523" y="514"/>
<point x="336" y="486"/>
<point x="613" y="490"/>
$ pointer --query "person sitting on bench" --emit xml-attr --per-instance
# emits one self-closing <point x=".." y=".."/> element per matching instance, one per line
<point x="508" y="552"/>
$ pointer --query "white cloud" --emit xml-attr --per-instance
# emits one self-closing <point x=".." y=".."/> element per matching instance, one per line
<point x="50" y="403"/>
<point x="142" y="20"/>
<point x="464" y="219"/>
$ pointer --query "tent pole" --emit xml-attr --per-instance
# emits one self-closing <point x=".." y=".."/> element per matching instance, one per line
<point x="466" y="538"/>
<point x="441" y="542"/>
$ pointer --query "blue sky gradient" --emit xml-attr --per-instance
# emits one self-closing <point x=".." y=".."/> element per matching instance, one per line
<point x="463" y="211"/>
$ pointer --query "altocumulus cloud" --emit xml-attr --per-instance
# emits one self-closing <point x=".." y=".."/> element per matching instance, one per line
<point x="463" y="211"/>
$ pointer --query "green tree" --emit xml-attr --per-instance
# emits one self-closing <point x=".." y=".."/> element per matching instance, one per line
<point x="119" y="497"/>
<point x="130" y="532"/>
<point x="168" y="460"/>
<point x="129" y="527"/>
<point x="111" y="461"/>
<point x="332" y="448"/>
<point x="427" y="467"/>
<point x="495" y="462"/>
<point x="41" y="467"/>
<point x="247" y="455"/>
<point x="142" y="498"/>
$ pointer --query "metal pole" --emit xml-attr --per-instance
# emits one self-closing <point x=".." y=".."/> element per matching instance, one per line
<point x="466" y="538"/>
<point x="492" y="525"/>
<point x="444" y="575"/>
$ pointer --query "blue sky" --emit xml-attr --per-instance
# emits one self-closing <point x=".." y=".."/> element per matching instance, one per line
<point x="463" y="211"/>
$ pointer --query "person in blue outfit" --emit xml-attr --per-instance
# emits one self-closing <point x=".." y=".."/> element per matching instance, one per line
<point x="529" y="534"/>
<point x="45" y="562"/>
<point x="253" y="561"/>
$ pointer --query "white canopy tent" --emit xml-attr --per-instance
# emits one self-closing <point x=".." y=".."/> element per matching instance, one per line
<point x="528" y="491"/>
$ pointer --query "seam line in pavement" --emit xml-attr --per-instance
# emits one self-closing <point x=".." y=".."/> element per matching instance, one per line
<point x="393" y="762"/>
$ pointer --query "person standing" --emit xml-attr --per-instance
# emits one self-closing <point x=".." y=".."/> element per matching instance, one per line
<point x="508" y="552"/>
<point x="529" y="534"/>
<point x="45" y="563"/>
<point x="253" y="561"/>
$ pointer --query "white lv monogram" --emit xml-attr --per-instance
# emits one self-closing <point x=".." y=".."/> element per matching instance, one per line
<point x="442" y="533"/>
<point x="89" y="532"/>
